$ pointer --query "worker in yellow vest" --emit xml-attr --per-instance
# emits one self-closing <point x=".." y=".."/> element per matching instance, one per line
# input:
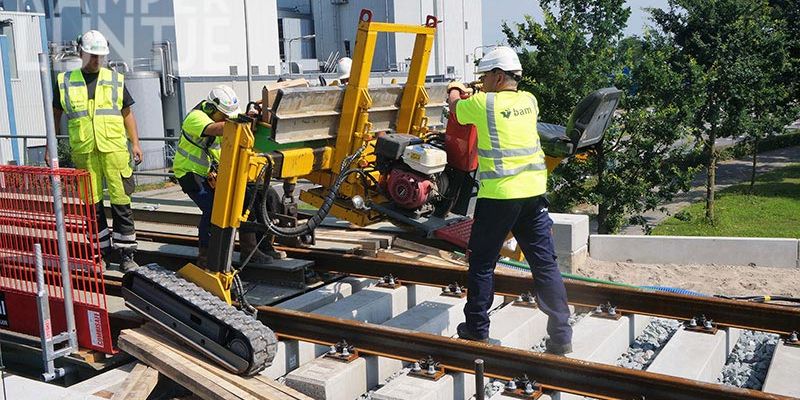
<point x="98" y="110"/>
<point x="511" y="197"/>
<point x="195" y="168"/>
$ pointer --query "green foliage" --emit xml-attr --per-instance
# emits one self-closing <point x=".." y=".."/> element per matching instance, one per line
<point x="64" y="154"/>
<point x="732" y="57"/>
<point x="772" y="210"/>
<point x="579" y="49"/>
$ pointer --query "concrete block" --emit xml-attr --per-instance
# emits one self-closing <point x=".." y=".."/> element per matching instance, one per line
<point x="694" y="355"/>
<point x="327" y="379"/>
<point x="373" y="305"/>
<point x="569" y="262"/>
<point x="766" y="252"/>
<point x="280" y="364"/>
<point x="291" y="353"/>
<point x="317" y="298"/>
<point x="418" y="294"/>
<point x="782" y="376"/>
<point x="438" y="316"/>
<point x="406" y="387"/>
<point x="357" y="284"/>
<point x="604" y="340"/>
<point x="570" y="231"/>
<point x="518" y="327"/>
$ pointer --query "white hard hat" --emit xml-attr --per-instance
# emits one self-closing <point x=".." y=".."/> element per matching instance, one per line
<point x="343" y="67"/>
<point x="93" y="42"/>
<point x="501" y="57"/>
<point x="224" y="98"/>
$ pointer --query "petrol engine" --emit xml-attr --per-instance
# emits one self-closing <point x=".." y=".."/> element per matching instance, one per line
<point x="414" y="171"/>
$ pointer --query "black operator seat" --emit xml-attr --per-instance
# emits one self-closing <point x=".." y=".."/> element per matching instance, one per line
<point x="585" y="127"/>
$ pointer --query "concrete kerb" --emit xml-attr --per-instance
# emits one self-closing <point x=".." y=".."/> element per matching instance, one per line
<point x="767" y="252"/>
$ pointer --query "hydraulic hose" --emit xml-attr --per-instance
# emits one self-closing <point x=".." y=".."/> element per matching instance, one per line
<point x="313" y="222"/>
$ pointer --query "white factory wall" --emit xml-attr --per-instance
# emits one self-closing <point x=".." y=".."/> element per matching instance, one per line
<point x="27" y="88"/>
<point x="131" y="26"/>
<point x="210" y="37"/>
<point x="337" y="23"/>
<point x="453" y="45"/>
<point x="457" y="35"/>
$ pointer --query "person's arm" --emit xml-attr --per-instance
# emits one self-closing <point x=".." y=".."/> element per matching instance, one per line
<point x="133" y="135"/>
<point x="454" y="92"/>
<point x="57" y="112"/>
<point x="214" y="129"/>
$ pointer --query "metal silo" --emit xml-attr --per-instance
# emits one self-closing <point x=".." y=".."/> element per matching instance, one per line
<point x="145" y="88"/>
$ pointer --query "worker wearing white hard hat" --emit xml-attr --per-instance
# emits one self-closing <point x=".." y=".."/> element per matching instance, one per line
<point x="511" y="197"/>
<point x="196" y="159"/>
<point x="343" y="67"/>
<point x="97" y="106"/>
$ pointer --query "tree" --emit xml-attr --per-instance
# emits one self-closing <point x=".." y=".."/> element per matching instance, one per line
<point x="580" y="48"/>
<point x="731" y="54"/>
<point x="781" y="86"/>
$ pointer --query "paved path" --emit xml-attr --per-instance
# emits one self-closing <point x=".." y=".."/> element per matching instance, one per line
<point x="729" y="173"/>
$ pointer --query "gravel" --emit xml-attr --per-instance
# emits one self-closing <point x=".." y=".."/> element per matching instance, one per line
<point x="648" y="344"/>
<point x="573" y="319"/>
<point x="749" y="361"/>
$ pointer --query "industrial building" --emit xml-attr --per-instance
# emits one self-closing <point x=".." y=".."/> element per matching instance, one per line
<point x="173" y="52"/>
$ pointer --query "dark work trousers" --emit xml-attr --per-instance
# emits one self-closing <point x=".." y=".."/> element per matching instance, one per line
<point x="531" y="225"/>
<point x="124" y="237"/>
<point x="202" y="194"/>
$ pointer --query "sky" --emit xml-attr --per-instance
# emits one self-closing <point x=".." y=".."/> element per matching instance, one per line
<point x="497" y="11"/>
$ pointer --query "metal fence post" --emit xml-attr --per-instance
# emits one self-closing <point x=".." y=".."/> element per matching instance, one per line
<point x="480" y="389"/>
<point x="58" y="206"/>
<point x="45" y="324"/>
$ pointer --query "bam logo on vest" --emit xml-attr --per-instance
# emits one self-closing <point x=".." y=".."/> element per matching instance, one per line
<point x="516" y="112"/>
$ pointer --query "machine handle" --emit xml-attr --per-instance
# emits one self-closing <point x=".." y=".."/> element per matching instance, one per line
<point x="366" y="15"/>
<point x="431" y="21"/>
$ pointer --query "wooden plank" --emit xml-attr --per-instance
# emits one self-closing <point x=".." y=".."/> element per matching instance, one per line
<point x="394" y="254"/>
<point x="104" y="382"/>
<point x="177" y="368"/>
<point x="366" y="244"/>
<point x="336" y="246"/>
<point x="260" y="389"/>
<point x="140" y="382"/>
<point x="432" y="251"/>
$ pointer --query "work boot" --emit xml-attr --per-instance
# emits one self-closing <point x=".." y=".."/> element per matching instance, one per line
<point x="268" y="247"/>
<point x="202" y="257"/>
<point x="247" y="244"/>
<point x="557" y="349"/>
<point x="126" y="262"/>
<point x="464" y="333"/>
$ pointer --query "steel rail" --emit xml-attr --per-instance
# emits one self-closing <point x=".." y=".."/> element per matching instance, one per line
<point x="725" y="312"/>
<point x="553" y="372"/>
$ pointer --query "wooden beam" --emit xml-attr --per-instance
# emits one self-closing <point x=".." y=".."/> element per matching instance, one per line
<point x="139" y="383"/>
<point x="189" y="361"/>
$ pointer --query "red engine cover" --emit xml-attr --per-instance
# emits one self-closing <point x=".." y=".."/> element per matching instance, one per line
<point x="461" y="144"/>
<point x="407" y="189"/>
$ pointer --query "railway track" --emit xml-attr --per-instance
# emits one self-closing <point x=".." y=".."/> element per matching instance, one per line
<point x="554" y="373"/>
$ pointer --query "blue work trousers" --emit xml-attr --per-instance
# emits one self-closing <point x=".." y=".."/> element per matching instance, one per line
<point x="528" y="220"/>
<point x="202" y="195"/>
<point x="197" y="188"/>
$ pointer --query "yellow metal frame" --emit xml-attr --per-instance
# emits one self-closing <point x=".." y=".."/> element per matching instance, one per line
<point x="354" y="126"/>
<point x="239" y="165"/>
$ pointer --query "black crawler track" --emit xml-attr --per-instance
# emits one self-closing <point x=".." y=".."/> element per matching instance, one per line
<point x="234" y="339"/>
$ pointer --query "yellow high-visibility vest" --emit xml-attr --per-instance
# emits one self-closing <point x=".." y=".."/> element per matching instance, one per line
<point x="97" y="123"/>
<point x="510" y="157"/>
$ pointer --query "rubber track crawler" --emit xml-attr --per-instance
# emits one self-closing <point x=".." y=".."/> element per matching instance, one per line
<point x="238" y="341"/>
